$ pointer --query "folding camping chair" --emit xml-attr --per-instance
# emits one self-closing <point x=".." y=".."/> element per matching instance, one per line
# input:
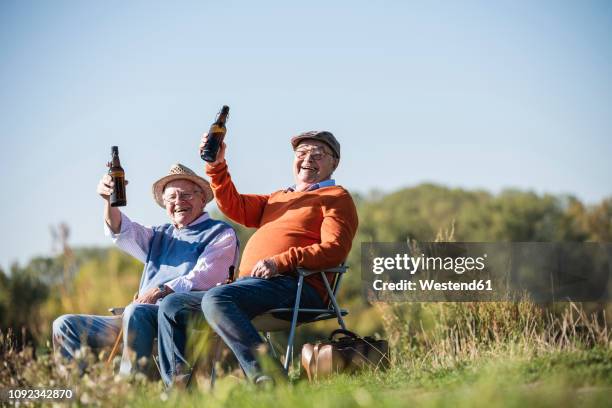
<point x="282" y="319"/>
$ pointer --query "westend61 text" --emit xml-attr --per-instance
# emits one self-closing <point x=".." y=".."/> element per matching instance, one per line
<point x="430" y="284"/>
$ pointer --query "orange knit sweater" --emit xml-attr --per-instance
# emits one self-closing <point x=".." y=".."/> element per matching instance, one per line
<point x="312" y="229"/>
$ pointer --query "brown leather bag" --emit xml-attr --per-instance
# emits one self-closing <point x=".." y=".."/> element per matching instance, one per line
<point x="345" y="354"/>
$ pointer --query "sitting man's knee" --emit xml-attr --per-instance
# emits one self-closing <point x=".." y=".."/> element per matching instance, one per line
<point x="58" y="329"/>
<point x="211" y="300"/>
<point x="128" y="312"/>
<point x="61" y="325"/>
<point x="133" y="313"/>
<point x="171" y="305"/>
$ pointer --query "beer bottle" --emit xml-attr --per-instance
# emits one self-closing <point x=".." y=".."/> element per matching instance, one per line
<point x="215" y="136"/>
<point x="117" y="198"/>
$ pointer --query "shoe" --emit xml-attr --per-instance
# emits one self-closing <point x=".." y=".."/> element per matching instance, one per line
<point x="264" y="382"/>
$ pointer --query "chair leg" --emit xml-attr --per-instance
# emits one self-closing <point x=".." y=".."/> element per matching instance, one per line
<point x="156" y="361"/>
<point x="333" y="300"/>
<point x="216" y="356"/>
<point x="269" y="341"/>
<point x="115" y="349"/>
<point x="296" y="307"/>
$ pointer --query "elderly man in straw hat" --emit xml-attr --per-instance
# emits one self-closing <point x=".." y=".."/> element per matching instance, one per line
<point x="310" y="224"/>
<point x="192" y="253"/>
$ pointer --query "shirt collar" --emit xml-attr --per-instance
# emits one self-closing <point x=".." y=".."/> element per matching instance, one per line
<point x="325" y="183"/>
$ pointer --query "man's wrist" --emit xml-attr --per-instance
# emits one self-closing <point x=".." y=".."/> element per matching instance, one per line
<point x="273" y="266"/>
<point x="278" y="265"/>
<point x="164" y="290"/>
<point x="216" y="165"/>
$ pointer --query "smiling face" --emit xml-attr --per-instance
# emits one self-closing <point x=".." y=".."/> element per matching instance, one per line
<point x="184" y="202"/>
<point x="314" y="162"/>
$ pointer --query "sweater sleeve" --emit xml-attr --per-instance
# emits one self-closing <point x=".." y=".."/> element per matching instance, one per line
<point x="337" y="232"/>
<point x="245" y="209"/>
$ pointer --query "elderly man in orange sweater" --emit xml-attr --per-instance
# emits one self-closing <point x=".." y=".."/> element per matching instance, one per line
<point x="309" y="225"/>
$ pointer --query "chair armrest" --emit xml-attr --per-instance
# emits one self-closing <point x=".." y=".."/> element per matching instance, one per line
<point x="116" y="311"/>
<point x="308" y="272"/>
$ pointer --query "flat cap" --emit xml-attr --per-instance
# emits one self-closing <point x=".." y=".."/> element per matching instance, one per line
<point x="320" y="135"/>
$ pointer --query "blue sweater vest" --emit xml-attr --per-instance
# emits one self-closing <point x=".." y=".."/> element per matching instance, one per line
<point x="174" y="252"/>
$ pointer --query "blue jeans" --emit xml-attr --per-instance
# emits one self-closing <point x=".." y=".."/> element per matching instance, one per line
<point x="176" y="312"/>
<point x="139" y="322"/>
<point x="229" y="309"/>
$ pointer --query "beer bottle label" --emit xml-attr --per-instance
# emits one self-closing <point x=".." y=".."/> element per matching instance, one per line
<point x="216" y="129"/>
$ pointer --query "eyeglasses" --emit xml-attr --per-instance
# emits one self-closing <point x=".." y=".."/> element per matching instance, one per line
<point x="180" y="197"/>
<point x="315" y="154"/>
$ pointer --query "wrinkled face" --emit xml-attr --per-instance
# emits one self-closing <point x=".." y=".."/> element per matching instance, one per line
<point x="314" y="162"/>
<point x="184" y="202"/>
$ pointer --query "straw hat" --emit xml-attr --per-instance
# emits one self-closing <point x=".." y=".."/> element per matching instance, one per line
<point x="180" y="172"/>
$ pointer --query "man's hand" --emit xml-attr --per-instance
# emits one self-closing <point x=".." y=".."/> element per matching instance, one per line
<point x="266" y="268"/>
<point x="150" y="296"/>
<point x="220" y="153"/>
<point x="112" y="215"/>
<point x="106" y="186"/>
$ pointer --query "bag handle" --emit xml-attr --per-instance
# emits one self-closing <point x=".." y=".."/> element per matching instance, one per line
<point x="345" y="332"/>
<point x="308" y="360"/>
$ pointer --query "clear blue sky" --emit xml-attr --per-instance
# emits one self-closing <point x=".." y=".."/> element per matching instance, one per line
<point x="466" y="94"/>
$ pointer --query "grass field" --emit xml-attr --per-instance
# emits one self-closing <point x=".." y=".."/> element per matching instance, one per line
<point x="444" y="355"/>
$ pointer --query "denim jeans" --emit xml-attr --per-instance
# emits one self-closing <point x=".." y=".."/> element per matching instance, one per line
<point x="139" y="321"/>
<point x="229" y="309"/>
<point x="176" y="312"/>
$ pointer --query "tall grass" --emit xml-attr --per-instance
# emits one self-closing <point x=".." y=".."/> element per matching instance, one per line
<point x="447" y="354"/>
<point x="442" y="334"/>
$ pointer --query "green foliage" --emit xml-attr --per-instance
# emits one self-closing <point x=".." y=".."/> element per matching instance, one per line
<point x="420" y="213"/>
<point x="599" y="222"/>
<point x="21" y="295"/>
<point x="31" y="297"/>
<point x="104" y="278"/>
